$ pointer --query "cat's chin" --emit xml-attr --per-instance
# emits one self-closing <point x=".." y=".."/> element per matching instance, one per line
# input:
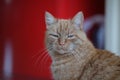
<point x="62" y="52"/>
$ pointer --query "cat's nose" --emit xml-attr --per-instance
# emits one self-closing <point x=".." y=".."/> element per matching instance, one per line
<point x="62" y="43"/>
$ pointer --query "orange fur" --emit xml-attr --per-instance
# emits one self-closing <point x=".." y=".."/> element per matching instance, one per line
<point x="73" y="55"/>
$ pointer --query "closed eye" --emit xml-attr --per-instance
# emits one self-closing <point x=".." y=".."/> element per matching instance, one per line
<point x="54" y="35"/>
<point x="70" y="36"/>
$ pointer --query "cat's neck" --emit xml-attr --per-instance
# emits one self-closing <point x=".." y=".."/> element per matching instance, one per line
<point x="62" y="59"/>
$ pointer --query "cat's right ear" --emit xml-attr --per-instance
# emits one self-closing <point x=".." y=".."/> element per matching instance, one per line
<point x="49" y="19"/>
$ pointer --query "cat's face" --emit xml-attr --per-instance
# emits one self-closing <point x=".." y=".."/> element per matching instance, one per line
<point x="64" y="35"/>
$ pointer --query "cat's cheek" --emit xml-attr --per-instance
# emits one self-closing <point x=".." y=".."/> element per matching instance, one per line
<point x="53" y="40"/>
<point x="78" y="41"/>
<point x="71" y="47"/>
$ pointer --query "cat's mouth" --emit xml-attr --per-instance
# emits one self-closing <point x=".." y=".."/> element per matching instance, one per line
<point x="61" y="51"/>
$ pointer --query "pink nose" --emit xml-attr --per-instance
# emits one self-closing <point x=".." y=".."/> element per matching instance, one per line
<point x="62" y="43"/>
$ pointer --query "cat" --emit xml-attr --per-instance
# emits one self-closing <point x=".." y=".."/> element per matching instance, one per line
<point x="73" y="55"/>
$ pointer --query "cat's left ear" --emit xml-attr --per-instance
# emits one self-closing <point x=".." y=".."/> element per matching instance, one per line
<point x="77" y="20"/>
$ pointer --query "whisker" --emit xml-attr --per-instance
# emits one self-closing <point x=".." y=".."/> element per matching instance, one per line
<point x="46" y="59"/>
<point x="45" y="55"/>
<point x="39" y="56"/>
<point x="40" y="52"/>
<point x="36" y="57"/>
<point x="42" y="62"/>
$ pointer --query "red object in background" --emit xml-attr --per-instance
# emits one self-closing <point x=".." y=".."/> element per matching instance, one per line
<point x="23" y="24"/>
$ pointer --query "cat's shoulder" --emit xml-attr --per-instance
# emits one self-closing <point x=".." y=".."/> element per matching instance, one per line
<point x="104" y="54"/>
<point x="101" y="51"/>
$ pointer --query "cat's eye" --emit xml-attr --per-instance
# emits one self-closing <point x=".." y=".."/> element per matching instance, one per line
<point x="70" y="36"/>
<point x="54" y="35"/>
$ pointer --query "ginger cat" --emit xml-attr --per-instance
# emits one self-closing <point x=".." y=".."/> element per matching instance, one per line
<point x="73" y="55"/>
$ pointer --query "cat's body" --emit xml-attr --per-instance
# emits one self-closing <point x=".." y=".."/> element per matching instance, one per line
<point x="73" y="55"/>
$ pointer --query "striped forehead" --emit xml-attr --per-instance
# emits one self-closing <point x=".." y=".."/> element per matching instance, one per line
<point x="63" y="25"/>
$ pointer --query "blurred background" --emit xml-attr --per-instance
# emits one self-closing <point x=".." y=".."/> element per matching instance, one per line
<point x="22" y="28"/>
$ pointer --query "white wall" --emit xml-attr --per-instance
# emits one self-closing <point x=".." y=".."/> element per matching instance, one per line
<point x="112" y="26"/>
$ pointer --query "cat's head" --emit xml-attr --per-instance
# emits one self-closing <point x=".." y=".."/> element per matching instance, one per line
<point x="64" y="35"/>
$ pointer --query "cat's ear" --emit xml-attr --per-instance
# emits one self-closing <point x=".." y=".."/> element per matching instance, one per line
<point x="49" y="18"/>
<point x="77" y="20"/>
